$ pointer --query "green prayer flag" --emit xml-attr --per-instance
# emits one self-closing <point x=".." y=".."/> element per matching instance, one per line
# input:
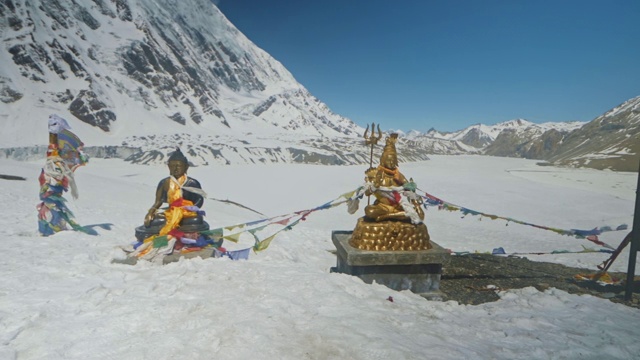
<point x="160" y="241"/>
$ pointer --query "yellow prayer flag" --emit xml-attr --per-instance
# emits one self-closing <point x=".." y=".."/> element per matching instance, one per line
<point x="264" y="243"/>
<point x="233" y="237"/>
<point x="230" y="228"/>
<point x="349" y="194"/>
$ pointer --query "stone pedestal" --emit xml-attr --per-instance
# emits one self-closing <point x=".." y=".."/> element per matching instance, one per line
<point x="415" y="270"/>
<point x="187" y="225"/>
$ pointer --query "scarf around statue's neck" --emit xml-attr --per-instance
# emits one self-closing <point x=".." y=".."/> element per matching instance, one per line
<point x="183" y="180"/>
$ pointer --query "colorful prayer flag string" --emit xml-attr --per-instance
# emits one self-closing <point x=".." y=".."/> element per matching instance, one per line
<point x="591" y="235"/>
<point x="284" y="220"/>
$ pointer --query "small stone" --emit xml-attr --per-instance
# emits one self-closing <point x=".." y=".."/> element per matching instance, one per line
<point x="543" y="286"/>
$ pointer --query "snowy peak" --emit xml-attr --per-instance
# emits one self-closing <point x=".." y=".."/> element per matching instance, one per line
<point x="480" y="135"/>
<point x="522" y="126"/>
<point x="499" y="139"/>
<point x="515" y="124"/>
<point x="630" y="107"/>
<point x="611" y="141"/>
<point x="144" y="67"/>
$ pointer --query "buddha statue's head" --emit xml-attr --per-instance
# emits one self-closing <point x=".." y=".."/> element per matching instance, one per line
<point x="178" y="164"/>
<point x="389" y="158"/>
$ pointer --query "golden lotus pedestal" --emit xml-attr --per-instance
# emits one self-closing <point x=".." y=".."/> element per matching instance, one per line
<point x="416" y="270"/>
<point x="390" y="235"/>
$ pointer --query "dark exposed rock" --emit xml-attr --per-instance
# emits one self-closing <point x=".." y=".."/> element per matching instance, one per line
<point x="146" y="98"/>
<point x="83" y="15"/>
<point x="9" y="5"/>
<point x="208" y="106"/>
<point x="9" y="95"/>
<point x="106" y="152"/>
<point x="88" y="108"/>
<point x="62" y="97"/>
<point x="306" y="157"/>
<point x="23" y="58"/>
<point x="264" y="106"/>
<point x="475" y="138"/>
<point x="123" y="9"/>
<point x="15" y="23"/>
<point x="139" y="58"/>
<point x="544" y="146"/>
<point x="91" y="53"/>
<point x="195" y="116"/>
<point x="177" y="117"/>
<point x="104" y="9"/>
<point x="505" y="144"/>
<point x="232" y="57"/>
<point x="57" y="12"/>
<point x="148" y="157"/>
<point x="69" y="57"/>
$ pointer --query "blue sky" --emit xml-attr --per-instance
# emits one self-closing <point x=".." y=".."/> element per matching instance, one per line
<point x="417" y="64"/>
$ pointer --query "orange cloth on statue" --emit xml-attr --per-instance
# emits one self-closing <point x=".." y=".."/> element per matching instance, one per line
<point x="174" y="214"/>
<point x="393" y="173"/>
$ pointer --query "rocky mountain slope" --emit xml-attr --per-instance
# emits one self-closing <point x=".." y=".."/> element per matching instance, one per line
<point x="184" y="65"/>
<point x="122" y="70"/>
<point x="611" y="141"/>
<point x="513" y="138"/>
<point x="137" y="78"/>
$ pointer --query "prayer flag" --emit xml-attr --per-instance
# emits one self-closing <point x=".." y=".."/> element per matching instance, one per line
<point x="261" y="245"/>
<point x="233" y="237"/>
<point x="70" y="148"/>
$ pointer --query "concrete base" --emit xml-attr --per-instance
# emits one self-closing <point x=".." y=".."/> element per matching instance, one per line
<point x="418" y="271"/>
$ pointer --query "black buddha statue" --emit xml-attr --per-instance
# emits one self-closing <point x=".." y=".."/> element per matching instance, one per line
<point x="185" y="198"/>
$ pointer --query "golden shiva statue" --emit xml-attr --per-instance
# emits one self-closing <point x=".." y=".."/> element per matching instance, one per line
<point x="395" y="220"/>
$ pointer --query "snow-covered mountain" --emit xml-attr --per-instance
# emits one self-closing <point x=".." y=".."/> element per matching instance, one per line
<point x="521" y="138"/>
<point x="167" y="72"/>
<point x="136" y="78"/>
<point x="610" y="141"/>
<point x="502" y="139"/>
<point x="184" y="65"/>
<point x="480" y="135"/>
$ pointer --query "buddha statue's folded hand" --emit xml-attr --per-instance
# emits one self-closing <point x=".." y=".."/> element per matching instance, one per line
<point x="149" y="217"/>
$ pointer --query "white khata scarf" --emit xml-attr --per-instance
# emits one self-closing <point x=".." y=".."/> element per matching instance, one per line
<point x="191" y="189"/>
<point x="405" y="202"/>
<point x="57" y="169"/>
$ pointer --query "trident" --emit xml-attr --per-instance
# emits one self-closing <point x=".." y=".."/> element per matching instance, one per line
<point x="371" y="140"/>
